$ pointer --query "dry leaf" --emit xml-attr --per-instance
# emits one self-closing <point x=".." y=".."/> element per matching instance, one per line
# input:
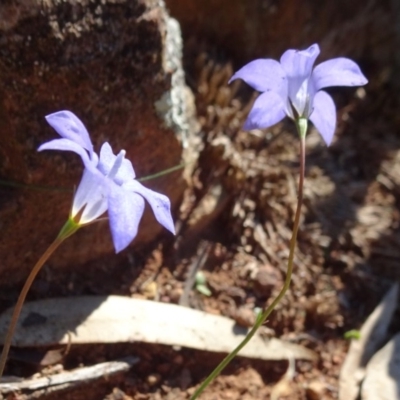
<point x="113" y="319"/>
<point x="382" y="378"/>
<point x="372" y="335"/>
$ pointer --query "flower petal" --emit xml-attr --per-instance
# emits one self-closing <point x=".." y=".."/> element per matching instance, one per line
<point x="107" y="160"/>
<point x="263" y="75"/>
<point x="299" y="63"/>
<point x="69" y="126"/>
<point x="92" y="195"/>
<point x="67" y="145"/>
<point x="268" y="109"/>
<point x="338" y="72"/>
<point x="298" y="67"/>
<point x="159" y="203"/>
<point x="323" y="116"/>
<point x="125" y="209"/>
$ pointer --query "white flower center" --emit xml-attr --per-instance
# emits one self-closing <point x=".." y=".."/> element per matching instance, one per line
<point x="301" y="99"/>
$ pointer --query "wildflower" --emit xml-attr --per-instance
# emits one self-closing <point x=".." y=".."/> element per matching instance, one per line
<point x="108" y="184"/>
<point x="291" y="87"/>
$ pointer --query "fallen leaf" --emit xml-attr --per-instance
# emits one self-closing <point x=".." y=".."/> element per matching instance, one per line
<point x="372" y="335"/>
<point x="382" y="378"/>
<point x="113" y="319"/>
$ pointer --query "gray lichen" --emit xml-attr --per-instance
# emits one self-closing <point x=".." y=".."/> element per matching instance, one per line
<point x="176" y="106"/>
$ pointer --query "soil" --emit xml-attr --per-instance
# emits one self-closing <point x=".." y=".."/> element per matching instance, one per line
<point x="234" y="224"/>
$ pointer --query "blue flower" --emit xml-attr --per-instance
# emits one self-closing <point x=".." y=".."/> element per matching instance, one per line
<point x="108" y="184"/>
<point x="292" y="87"/>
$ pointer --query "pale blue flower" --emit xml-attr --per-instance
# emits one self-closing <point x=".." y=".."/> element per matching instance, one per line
<point x="108" y="183"/>
<point x="292" y="87"/>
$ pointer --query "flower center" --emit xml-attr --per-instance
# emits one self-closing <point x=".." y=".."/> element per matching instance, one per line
<point x="301" y="99"/>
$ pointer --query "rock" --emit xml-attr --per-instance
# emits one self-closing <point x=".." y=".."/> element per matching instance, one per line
<point x="315" y="390"/>
<point x="254" y="28"/>
<point x="244" y="316"/>
<point x="382" y="380"/>
<point x="153" y="379"/>
<point x="266" y="280"/>
<point x="117" y="65"/>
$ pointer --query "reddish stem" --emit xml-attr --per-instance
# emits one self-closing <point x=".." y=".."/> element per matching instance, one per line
<point x="21" y="300"/>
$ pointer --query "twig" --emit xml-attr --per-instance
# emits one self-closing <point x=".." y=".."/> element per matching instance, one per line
<point x="72" y="378"/>
<point x="197" y="264"/>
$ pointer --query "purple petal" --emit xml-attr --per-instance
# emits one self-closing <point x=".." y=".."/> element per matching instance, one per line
<point x="69" y="126"/>
<point x="125" y="209"/>
<point x="92" y="195"/>
<point x="298" y="67"/>
<point x="159" y="203"/>
<point x="67" y="145"/>
<point x="263" y="75"/>
<point x="338" y="72"/>
<point x="323" y="116"/>
<point x="268" y="109"/>
<point x="299" y="63"/>
<point x="107" y="160"/>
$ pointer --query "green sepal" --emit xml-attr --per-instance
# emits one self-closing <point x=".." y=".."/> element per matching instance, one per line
<point x="259" y="315"/>
<point x="69" y="228"/>
<point x="302" y="125"/>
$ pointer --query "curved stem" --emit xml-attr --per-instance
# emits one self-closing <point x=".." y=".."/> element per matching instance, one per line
<point x="301" y="127"/>
<point x="21" y="300"/>
<point x="161" y="173"/>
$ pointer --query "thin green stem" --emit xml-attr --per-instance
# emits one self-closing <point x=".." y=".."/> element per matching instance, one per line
<point x="33" y="187"/>
<point x="67" y="230"/>
<point x="301" y="127"/>
<point x="164" y="172"/>
<point x="67" y="190"/>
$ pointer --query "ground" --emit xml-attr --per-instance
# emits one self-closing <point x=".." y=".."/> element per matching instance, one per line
<point x="235" y="224"/>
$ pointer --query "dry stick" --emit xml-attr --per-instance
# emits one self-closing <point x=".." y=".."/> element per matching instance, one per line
<point x="301" y="125"/>
<point x="193" y="269"/>
<point x="69" y="379"/>
<point x="21" y="300"/>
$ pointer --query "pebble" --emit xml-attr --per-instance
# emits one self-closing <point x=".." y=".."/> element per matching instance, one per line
<point x="153" y="379"/>
<point x="266" y="279"/>
<point x="315" y="390"/>
<point x="244" y="316"/>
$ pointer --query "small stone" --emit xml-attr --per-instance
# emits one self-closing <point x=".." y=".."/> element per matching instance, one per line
<point x="185" y="379"/>
<point x="244" y="317"/>
<point x="149" y="290"/>
<point x="153" y="379"/>
<point x="118" y="394"/>
<point x="315" y="390"/>
<point x="178" y="359"/>
<point x="266" y="279"/>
